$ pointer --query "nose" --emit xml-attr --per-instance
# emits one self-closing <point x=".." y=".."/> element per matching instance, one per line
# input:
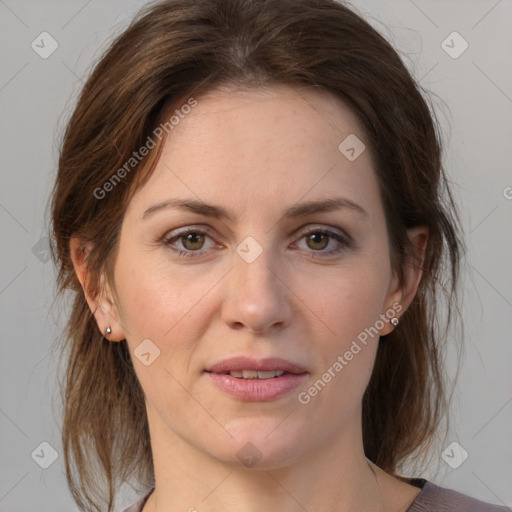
<point x="257" y="295"/>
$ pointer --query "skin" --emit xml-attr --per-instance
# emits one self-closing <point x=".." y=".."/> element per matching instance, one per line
<point x="256" y="153"/>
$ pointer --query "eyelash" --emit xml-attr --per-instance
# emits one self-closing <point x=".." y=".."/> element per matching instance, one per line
<point x="344" y="243"/>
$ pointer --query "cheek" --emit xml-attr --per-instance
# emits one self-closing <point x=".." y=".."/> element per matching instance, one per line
<point x="344" y="324"/>
<point x="162" y="306"/>
<point x="152" y="297"/>
<point x="165" y="304"/>
<point x="346" y="303"/>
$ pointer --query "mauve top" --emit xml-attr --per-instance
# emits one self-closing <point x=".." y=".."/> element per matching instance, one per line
<point x="432" y="498"/>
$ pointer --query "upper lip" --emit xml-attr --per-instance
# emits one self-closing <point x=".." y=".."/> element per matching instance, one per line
<point x="246" y="363"/>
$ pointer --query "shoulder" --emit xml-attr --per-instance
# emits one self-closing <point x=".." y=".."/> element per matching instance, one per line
<point x="440" y="499"/>
<point x="432" y="498"/>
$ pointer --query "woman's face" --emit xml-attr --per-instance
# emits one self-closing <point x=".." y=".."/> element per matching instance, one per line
<point x="242" y="277"/>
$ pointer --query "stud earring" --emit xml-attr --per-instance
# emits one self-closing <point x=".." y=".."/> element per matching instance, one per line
<point x="108" y="330"/>
<point x="394" y="321"/>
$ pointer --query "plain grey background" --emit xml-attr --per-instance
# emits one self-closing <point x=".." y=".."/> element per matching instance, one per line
<point x="472" y="93"/>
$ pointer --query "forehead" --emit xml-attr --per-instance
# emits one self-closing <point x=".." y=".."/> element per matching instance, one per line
<point x="257" y="114"/>
<point x="261" y="148"/>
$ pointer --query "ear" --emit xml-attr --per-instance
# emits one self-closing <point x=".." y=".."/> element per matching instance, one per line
<point x="103" y="306"/>
<point x="400" y="297"/>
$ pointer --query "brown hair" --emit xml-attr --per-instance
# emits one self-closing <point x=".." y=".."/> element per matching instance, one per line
<point x="178" y="49"/>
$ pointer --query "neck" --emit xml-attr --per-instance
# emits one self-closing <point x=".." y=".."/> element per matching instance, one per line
<point x="333" y="477"/>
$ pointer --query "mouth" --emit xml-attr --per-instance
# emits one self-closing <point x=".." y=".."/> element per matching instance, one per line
<point x="247" y="368"/>
<point x="254" y="374"/>
<point x="257" y="380"/>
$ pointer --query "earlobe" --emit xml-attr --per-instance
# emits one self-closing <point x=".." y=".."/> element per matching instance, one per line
<point x="102" y="306"/>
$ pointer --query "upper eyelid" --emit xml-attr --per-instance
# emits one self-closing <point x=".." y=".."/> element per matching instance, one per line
<point x="185" y="230"/>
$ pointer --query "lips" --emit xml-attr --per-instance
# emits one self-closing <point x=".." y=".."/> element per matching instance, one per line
<point x="251" y="380"/>
<point x="244" y="367"/>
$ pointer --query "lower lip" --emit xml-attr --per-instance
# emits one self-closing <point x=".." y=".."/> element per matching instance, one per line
<point x="258" y="390"/>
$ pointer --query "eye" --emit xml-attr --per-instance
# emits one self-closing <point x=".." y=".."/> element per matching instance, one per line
<point x="191" y="241"/>
<point x="319" y="239"/>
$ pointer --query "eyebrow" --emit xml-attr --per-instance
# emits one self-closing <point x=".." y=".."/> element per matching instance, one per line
<point x="218" y="212"/>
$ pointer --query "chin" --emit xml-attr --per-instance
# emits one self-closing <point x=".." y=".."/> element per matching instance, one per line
<point x="260" y="444"/>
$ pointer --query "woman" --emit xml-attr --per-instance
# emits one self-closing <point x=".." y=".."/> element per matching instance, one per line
<point x="252" y="213"/>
